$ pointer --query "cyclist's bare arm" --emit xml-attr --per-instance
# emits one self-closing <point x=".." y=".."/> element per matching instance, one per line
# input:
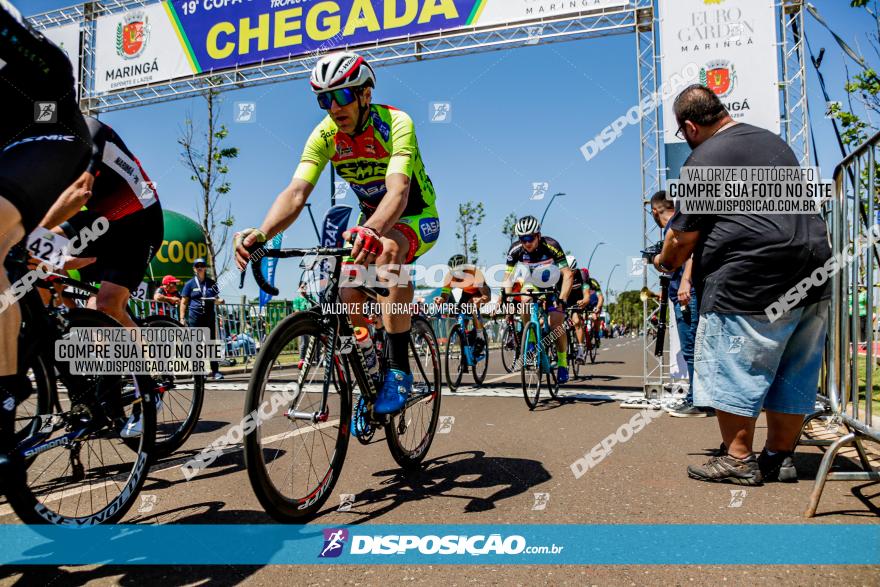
<point x="284" y="212"/>
<point x="601" y="303"/>
<point x="70" y="202"/>
<point x="567" y="281"/>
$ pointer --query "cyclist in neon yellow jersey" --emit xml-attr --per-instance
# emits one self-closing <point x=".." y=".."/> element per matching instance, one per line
<point x="374" y="148"/>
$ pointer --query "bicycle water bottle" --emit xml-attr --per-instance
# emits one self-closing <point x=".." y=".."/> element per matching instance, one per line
<point x="362" y="336"/>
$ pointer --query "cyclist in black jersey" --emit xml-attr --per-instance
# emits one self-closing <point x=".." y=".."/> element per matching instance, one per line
<point x="44" y="148"/>
<point x="123" y="194"/>
<point x="546" y="260"/>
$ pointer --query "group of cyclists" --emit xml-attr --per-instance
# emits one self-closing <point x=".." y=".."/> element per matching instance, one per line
<point x="62" y="175"/>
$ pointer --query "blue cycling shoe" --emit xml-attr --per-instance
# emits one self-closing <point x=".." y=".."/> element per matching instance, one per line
<point x="394" y="393"/>
<point x="562" y="374"/>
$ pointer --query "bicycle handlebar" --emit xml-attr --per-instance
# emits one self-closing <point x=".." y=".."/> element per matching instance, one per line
<point x="531" y="294"/>
<point x="260" y="251"/>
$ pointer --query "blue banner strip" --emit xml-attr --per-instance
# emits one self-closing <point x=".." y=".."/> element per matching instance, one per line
<point x="815" y="544"/>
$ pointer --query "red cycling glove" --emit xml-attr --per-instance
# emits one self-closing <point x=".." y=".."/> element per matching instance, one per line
<point x="368" y="238"/>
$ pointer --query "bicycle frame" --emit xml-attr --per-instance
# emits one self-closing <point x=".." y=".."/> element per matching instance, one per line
<point x="468" y="347"/>
<point x="536" y="313"/>
<point x="339" y="325"/>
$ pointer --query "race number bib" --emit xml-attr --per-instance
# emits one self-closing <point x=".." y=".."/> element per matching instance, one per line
<point x="48" y="247"/>
<point x="141" y="292"/>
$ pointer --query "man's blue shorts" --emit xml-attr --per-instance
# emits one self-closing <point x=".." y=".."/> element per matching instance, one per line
<point x="744" y="362"/>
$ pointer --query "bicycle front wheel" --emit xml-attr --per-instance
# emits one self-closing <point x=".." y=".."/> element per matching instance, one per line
<point x="411" y="432"/>
<point x="293" y="449"/>
<point x="572" y="353"/>
<point x="70" y="465"/>
<point x="530" y="364"/>
<point x="509" y="347"/>
<point x="456" y="361"/>
<point x="481" y="361"/>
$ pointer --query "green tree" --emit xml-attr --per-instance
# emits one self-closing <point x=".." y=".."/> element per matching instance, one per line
<point x="863" y="88"/>
<point x="627" y="309"/>
<point x="205" y="155"/>
<point x="470" y="216"/>
<point x="507" y="227"/>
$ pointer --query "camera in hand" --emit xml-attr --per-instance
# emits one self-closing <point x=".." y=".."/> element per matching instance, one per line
<point x="652" y="251"/>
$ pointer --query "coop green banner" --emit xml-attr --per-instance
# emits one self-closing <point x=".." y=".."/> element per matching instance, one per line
<point x="185" y="37"/>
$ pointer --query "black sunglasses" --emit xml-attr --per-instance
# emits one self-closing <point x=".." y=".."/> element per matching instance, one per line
<point x="200" y="266"/>
<point x="679" y="134"/>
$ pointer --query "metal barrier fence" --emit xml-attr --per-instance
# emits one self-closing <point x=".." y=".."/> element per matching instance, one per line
<point x="242" y="327"/>
<point x="848" y="384"/>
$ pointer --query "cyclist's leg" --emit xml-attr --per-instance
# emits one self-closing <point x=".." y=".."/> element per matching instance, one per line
<point x="32" y="176"/>
<point x="397" y="321"/>
<point x="11" y="232"/>
<point x="556" y="324"/>
<point x="123" y="254"/>
<point x="403" y="244"/>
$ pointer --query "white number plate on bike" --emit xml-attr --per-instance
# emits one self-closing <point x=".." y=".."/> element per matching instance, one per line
<point x="47" y="246"/>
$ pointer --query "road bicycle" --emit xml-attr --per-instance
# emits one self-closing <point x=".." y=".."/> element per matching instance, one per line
<point x="179" y="398"/>
<point x="68" y="464"/>
<point x="511" y="333"/>
<point x="591" y="337"/>
<point x="537" y="356"/>
<point x="573" y="362"/>
<point x="300" y="413"/>
<point x="466" y="350"/>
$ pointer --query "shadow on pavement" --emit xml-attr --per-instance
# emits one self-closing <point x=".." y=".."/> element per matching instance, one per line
<point x="167" y="576"/>
<point x="452" y="476"/>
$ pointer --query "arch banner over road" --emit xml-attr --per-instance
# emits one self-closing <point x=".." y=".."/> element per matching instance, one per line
<point x="179" y="38"/>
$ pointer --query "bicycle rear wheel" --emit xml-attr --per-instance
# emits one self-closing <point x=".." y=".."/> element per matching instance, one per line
<point x="594" y="347"/>
<point x="72" y="467"/>
<point x="179" y="404"/>
<point x="530" y="367"/>
<point x="294" y="463"/>
<point x="411" y="432"/>
<point x="456" y="361"/>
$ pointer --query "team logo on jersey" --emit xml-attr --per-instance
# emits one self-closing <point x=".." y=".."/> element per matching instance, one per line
<point x="430" y="229"/>
<point x="132" y="35"/>
<point x="381" y="126"/>
<point x="719" y="76"/>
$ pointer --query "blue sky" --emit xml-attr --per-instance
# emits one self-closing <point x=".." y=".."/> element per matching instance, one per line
<point x="518" y="116"/>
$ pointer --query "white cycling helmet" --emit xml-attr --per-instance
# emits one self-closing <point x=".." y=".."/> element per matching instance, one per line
<point x="527" y="225"/>
<point x="572" y="262"/>
<point x="341" y="70"/>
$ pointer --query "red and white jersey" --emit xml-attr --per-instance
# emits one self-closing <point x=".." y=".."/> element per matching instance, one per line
<point x="122" y="187"/>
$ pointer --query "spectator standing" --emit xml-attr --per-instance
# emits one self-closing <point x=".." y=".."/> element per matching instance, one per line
<point x="743" y="361"/>
<point x="683" y="296"/>
<point x="197" y="304"/>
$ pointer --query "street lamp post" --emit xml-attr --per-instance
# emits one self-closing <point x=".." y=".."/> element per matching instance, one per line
<point x="594" y="252"/>
<point x="553" y="197"/>
<point x="608" y="283"/>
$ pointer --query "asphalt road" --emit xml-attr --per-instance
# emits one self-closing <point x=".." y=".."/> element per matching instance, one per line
<point x="486" y="467"/>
